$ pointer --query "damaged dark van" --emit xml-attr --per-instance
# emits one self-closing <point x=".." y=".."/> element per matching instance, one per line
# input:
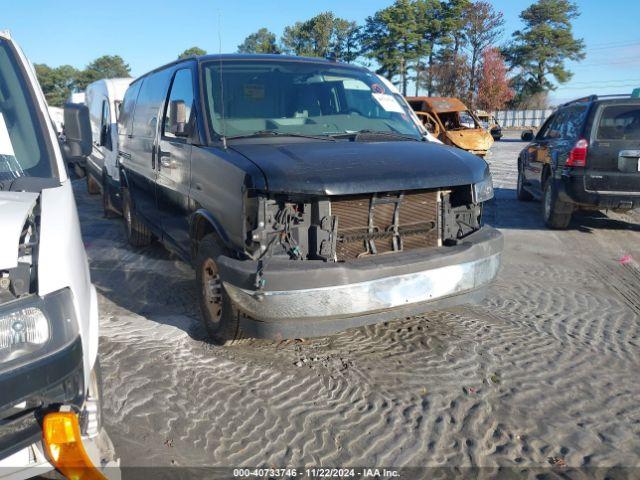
<point x="304" y="194"/>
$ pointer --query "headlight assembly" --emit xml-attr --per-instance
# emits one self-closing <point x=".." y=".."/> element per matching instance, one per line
<point x="483" y="190"/>
<point x="22" y="331"/>
<point x="34" y="327"/>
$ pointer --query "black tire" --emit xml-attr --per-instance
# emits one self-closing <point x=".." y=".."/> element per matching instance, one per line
<point x="93" y="187"/>
<point x="138" y="234"/>
<point x="107" y="207"/>
<point x="219" y="317"/>
<point x="555" y="213"/>
<point x="522" y="194"/>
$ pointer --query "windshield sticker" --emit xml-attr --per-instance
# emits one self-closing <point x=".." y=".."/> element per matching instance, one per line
<point x="388" y="102"/>
<point x="377" y="88"/>
<point x="254" y="91"/>
<point x="354" y="84"/>
<point x="5" y="142"/>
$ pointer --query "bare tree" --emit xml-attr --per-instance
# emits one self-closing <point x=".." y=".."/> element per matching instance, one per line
<point x="483" y="27"/>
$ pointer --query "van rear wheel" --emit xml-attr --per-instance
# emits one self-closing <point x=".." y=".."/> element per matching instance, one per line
<point x="138" y="234"/>
<point x="219" y="317"/>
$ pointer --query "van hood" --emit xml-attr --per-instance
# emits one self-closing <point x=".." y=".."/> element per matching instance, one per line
<point x="342" y="168"/>
<point x="471" y="139"/>
<point x="15" y="207"/>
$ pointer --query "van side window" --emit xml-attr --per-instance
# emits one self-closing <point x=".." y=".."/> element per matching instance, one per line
<point x="152" y="94"/>
<point x="178" y="111"/>
<point x="128" y="105"/>
<point x="105" y="126"/>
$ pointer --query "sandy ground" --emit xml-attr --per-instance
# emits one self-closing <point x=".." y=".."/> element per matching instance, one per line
<point x="544" y="372"/>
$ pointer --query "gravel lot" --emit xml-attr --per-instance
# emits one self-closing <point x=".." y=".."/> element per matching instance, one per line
<point x="544" y="372"/>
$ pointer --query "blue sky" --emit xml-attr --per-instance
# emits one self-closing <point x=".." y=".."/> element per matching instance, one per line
<point x="148" y="33"/>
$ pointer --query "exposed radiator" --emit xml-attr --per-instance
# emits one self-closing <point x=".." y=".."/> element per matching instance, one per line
<point x="375" y="224"/>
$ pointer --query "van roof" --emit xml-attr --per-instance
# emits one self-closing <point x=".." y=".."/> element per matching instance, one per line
<point x="244" y="56"/>
<point x="113" y="87"/>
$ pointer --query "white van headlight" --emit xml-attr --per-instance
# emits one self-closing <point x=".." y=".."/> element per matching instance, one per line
<point x="483" y="190"/>
<point x="34" y="327"/>
<point x="22" y="331"/>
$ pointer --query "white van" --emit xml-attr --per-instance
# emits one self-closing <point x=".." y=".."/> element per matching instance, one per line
<point x="103" y="99"/>
<point x="50" y="405"/>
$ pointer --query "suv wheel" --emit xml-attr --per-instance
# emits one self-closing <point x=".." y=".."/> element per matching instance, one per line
<point x="219" y="317"/>
<point x="522" y="194"/>
<point x="109" y="211"/>
<point x="555" y="212"/>
<point x="138" y="234"/>
<point x="93" y="187"/>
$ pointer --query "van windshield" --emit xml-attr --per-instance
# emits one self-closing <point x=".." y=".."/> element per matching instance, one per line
<point x="245" y="97"/>
<point x="22" y="148"/>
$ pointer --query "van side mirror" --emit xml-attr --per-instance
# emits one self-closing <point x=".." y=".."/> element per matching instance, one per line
<point x="527" y="135"/>
<point x="178" y="119"/>
<point x="77" y="129"/>
<point x="105" y="137"/>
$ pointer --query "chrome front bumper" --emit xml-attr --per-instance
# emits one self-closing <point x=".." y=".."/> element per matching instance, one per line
<point x="366" y="297"/>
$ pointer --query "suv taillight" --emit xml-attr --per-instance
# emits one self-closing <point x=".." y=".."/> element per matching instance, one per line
<point x="578" y="154"/>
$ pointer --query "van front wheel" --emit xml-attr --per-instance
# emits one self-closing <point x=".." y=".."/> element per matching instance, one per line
<point x="138" y="234"/>
<point x="220" y="318"/>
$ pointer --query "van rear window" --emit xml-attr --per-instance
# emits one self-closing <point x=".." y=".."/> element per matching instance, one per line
<point x="619" y="122"/>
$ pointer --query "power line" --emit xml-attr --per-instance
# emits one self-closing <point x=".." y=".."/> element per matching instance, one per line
<point x="607" y="81"/>
<point x="614" y="45"/>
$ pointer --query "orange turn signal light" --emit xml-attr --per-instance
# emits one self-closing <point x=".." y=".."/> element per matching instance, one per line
<point x="63" y="443"/>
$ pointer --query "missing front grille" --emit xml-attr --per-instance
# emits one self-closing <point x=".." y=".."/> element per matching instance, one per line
<point x="377" y="224"/>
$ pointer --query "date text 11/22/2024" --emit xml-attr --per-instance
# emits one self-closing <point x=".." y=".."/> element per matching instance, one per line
<point x="315" y="473"/>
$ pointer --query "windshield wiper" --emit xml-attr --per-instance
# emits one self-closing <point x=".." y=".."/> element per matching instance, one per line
<point x="374" y="132"/>
<point x="274" y="133"/>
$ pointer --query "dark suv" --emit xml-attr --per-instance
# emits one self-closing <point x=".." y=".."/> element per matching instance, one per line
<point x="303" y="193"/>
<point x="585" y="156"/>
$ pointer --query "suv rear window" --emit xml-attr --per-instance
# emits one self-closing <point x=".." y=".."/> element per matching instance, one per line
<point x="619" y="122"/>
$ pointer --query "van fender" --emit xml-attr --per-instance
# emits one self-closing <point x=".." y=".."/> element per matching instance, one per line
<point x="211" y="225"/>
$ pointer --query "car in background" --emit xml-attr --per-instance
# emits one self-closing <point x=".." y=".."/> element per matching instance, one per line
<point x="489" y="123"/>
<point x="449" y="120"/>
<point x="309" y="203"/>
<point x="586" y="155"/>
<point x="103" y="99"/>
<point x="50" y="402"/>
<point x="409" y="111"/>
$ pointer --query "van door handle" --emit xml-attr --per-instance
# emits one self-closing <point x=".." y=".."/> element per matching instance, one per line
<point x="164" y="159"/>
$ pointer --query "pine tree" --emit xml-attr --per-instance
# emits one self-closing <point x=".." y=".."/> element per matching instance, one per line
<point x="540" y="50"/>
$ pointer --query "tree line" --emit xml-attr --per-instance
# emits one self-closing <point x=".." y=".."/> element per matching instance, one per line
<point x="445" y="48"/>
<point x="453" y="48"/>
<point x="59" y="82"/>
